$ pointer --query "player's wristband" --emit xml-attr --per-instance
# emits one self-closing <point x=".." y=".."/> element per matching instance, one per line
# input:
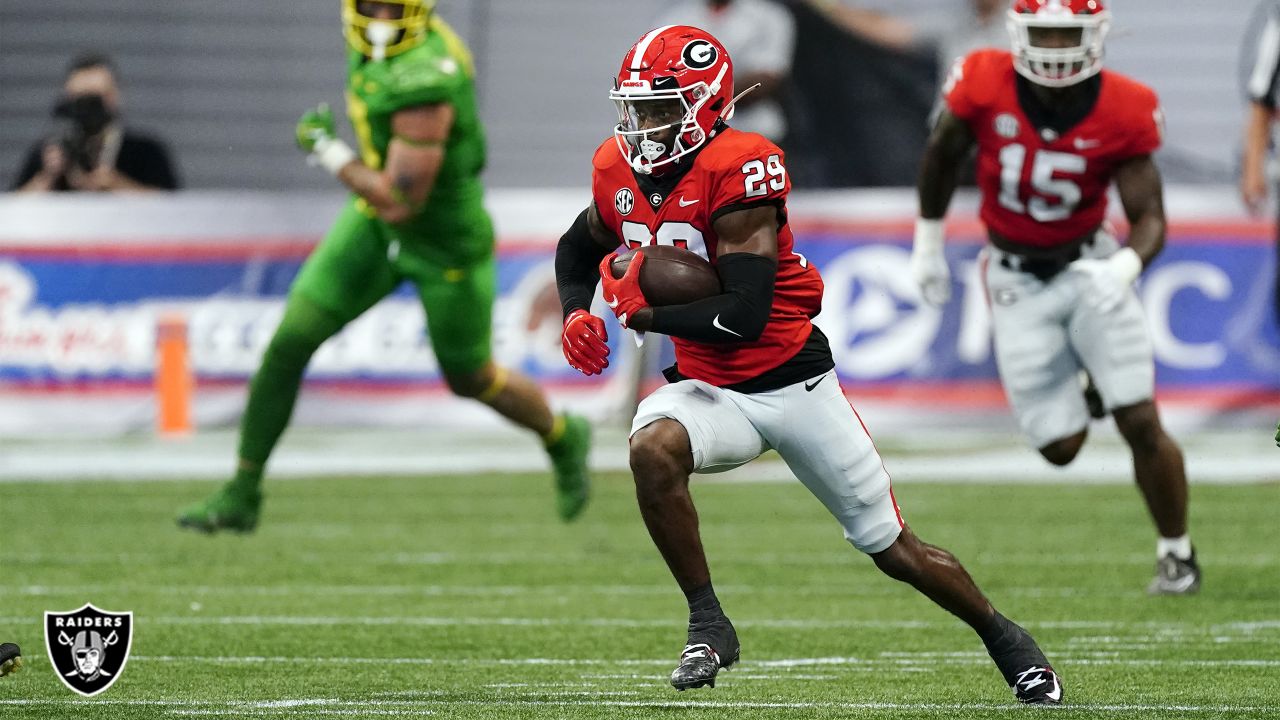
<point x="333" y="154"/>
<point x="928" y="235"/>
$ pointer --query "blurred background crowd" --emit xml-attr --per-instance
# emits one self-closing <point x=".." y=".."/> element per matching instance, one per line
<point x="847" y="84"/>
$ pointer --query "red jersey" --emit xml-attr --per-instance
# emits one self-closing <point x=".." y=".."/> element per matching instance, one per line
<point x="734" y="170"/>
<point x="1039" y="188"/>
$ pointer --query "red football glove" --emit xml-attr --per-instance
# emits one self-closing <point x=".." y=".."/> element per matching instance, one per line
<point x="623" y="294"/>
<point x="583" y="342"/>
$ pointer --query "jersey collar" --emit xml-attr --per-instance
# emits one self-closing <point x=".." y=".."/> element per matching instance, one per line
<point x="1059" y="120"/>
<point x="661" y="186"/>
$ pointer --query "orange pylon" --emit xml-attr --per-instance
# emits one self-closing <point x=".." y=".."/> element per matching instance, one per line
<point x="174" y="384"/>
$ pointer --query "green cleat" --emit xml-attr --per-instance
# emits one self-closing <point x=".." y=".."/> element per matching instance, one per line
<point x="569" y="459"/>
<point x="10" y="659"/>
<point x="231" y="508"/>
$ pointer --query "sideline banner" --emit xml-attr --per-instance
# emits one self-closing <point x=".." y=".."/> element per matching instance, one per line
<point x="83" y="281"/>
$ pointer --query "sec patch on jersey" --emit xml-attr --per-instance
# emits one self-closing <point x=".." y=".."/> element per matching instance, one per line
<point x="671" y="275"/>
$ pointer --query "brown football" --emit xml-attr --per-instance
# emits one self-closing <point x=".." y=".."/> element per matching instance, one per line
<point x="671" y="275"/>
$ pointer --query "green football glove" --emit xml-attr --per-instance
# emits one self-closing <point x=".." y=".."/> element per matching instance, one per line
<point x="314" y="127"/>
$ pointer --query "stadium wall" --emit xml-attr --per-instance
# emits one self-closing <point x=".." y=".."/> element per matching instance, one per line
<point x="224" y="82"/>
<point x="83" y="281"/>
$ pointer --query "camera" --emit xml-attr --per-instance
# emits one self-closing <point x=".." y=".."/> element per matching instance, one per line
<point x="82" y="117"/>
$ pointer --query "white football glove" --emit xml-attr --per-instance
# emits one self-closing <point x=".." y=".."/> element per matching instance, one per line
<point x="928" y="263"/>
<point x="1109" y="278"/>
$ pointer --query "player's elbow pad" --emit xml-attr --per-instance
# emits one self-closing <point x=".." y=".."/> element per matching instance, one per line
<point x="749" y="279"/>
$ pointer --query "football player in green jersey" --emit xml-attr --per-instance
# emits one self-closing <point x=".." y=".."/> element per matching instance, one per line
<point x="415" y="214"/>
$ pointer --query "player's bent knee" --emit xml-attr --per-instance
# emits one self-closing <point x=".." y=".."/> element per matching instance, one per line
<point x="874" y="539"/>
<point x="900" y="560"/>
<point x="659" y="453"/>
<point x="1062" y="452"/>
<point x="1140" y="425"/>
<point x="469" y="384"/>
<point x="873" y="527"/>
<point x="290" y="348"/>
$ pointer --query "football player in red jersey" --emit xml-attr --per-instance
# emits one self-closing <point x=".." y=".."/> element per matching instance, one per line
<point x="1053" y="131"/>
<point x="752" y="373"/>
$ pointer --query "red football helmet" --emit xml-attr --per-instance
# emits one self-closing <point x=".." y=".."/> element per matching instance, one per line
<point x="1058" y="66"/>
<point x="673" y="63"/>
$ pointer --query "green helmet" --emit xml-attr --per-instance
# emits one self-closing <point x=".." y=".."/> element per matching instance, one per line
<point x="384" y="37"/>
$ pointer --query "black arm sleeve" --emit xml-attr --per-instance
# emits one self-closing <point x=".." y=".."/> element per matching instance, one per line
<point x="578" y="258"/>
<point x="739" y="314"/>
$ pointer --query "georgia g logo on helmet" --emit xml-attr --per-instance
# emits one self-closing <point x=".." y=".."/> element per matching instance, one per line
<point x="699" y="55"/>
<point x="675" y="85"/>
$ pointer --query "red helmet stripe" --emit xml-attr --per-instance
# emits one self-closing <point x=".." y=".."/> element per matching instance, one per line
<point x="637" y="57"/>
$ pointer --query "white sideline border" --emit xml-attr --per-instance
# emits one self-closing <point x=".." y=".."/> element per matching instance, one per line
<point x="1225" y="458"/>
<point x="312" y="706"/>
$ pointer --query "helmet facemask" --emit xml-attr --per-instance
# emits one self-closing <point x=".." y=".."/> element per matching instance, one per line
<point x="379" y="38"/>
<point x="675" y="108"/>
<point x="1036" y="55"/>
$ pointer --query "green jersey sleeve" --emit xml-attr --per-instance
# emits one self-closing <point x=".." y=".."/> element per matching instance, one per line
<point x="419" y="77"/>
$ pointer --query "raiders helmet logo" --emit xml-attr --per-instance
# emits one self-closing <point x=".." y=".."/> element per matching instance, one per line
<point x="699" y="55"/>
<point x="624" y="201"/>
<point x="88" y="648"/>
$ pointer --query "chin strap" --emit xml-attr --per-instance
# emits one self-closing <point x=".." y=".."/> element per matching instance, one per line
<point x="727" y="112"/>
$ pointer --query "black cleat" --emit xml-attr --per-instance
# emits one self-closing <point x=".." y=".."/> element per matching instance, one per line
<point x="1038" y="685"/>
<point x="10" y="659"/>
<point x="1092" y="400"/>
<point x="713" y="644"/>
<point x="1024" y="666"/>
<point x="1176" y="577"/>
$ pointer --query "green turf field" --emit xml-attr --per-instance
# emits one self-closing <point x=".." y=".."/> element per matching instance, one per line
<point x="464" y="597"/>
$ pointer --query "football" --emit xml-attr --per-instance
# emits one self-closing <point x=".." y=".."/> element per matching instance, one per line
<point x="671" y="275"/>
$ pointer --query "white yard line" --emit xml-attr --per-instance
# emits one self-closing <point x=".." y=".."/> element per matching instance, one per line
<point x="665" y="590"/>
<point x="767" y="559"/>
<point x="1217" y="457"/>
<point x="349" y="707"/>
<point x="934" y="708"/>
<point x="1167" y="629"/>
<point x="747" y="665"/>
<point x="309" y="712"/>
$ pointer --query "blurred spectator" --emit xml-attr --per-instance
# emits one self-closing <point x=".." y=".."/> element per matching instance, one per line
<point x="760" y="37"/>
<point x="952" y="33"/>
<point x="92" y="150"/>
<point x="1262" y="57"/>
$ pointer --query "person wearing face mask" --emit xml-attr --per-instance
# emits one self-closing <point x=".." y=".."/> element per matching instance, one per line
<point x="91" y="149"/>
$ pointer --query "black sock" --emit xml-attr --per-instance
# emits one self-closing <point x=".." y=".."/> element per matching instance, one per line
<point x="703" y="600"/>
<point x="995" y="632"/>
